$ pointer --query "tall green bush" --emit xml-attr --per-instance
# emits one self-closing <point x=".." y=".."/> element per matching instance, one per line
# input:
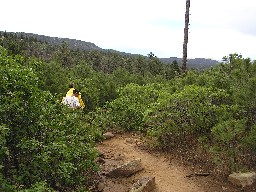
<point x="129" y="108"/>
<point x="228" y="138"/>
<point x="40" y="140"/>
<point x="184" y="115"/>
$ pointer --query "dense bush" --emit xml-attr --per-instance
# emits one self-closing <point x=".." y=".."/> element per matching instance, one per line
<point x="128" y="109"/>
<point x="179" y="118"/>
<point x="214" y="110"/>
<point x="40" y="140"/>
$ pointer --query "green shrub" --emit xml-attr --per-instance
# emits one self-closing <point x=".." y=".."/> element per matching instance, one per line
<point x="38" y="187"/>
<point x="250" y="139"/>
<point x="228" y="143"/>
<point x="129" y="108"/>
<point x="40" y="139"/>
<point x="186" y="114"/>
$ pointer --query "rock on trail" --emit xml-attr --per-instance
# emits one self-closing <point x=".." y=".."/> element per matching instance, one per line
<point x="145" y="172"/>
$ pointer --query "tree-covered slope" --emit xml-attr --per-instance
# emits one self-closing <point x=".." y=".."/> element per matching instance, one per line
<point x="196" y="63"/>
<point x="209" y="114"/>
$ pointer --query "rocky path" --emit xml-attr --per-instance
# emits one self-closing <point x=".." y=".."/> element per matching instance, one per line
<point x="168" y="176"/>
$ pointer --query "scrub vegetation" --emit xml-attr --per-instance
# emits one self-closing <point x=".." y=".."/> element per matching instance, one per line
<point x="208" y="114"/>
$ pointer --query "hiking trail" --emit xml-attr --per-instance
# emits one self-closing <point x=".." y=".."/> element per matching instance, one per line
<point x="169" y="175"/>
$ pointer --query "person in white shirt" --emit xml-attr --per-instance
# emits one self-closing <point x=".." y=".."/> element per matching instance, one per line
<point x="72" y="101"/>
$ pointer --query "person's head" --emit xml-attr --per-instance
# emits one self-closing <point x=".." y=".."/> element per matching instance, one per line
<point x="71" y="84"/>
<point x="76" y="92"/>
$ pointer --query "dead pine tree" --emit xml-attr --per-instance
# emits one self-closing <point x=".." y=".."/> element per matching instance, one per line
<point x="185" y="43"/>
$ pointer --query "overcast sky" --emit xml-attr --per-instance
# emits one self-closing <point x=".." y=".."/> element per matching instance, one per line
<point x="217" y="27"/>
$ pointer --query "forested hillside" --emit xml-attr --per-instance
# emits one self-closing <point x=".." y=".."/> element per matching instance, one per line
<point x="208" y="116"/>
<point x="72" y="43"/>
<point x="197" y="63"/>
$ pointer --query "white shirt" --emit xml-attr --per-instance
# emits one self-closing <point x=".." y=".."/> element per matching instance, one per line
<point x="71" y="102"/>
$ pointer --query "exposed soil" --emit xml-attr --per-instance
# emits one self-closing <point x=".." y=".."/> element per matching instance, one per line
<point x="169" y="174"/>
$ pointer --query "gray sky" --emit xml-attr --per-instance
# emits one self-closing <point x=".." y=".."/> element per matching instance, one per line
<point x="217" y="27"/>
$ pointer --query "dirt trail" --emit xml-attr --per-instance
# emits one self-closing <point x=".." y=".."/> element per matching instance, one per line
<point x="169" y="176"/>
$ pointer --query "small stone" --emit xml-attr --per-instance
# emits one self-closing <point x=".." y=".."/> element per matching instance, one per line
<point x="108" y="135"/>
<point x="146" y="184"/>
<point x="126" y="169"/>
<point x="129" y="140"/>
<point x="242" y="179"/>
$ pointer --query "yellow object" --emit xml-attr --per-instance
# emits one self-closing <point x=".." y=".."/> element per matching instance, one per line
<point x="70" y="92"/>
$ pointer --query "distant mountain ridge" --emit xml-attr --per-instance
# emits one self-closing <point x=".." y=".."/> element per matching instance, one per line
<point x="72" y="43"/>
<point x="197" y="63"/>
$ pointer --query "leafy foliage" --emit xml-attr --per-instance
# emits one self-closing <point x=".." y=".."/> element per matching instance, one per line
<point x="45" y="147"/>
<point x="128" y="109"/>
<point x="39" y="140"/>
<point x="186" y="114"/>
<point x="212" y="108"/>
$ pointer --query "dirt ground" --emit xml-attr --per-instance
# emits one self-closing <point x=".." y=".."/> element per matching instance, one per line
<point x="170" y="175"/>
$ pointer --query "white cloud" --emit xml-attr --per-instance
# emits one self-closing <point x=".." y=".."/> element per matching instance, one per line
<point x="217" y="27"/>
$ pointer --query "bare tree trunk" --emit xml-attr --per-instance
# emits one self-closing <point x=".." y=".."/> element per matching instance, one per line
<point x="185" y="44"/>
